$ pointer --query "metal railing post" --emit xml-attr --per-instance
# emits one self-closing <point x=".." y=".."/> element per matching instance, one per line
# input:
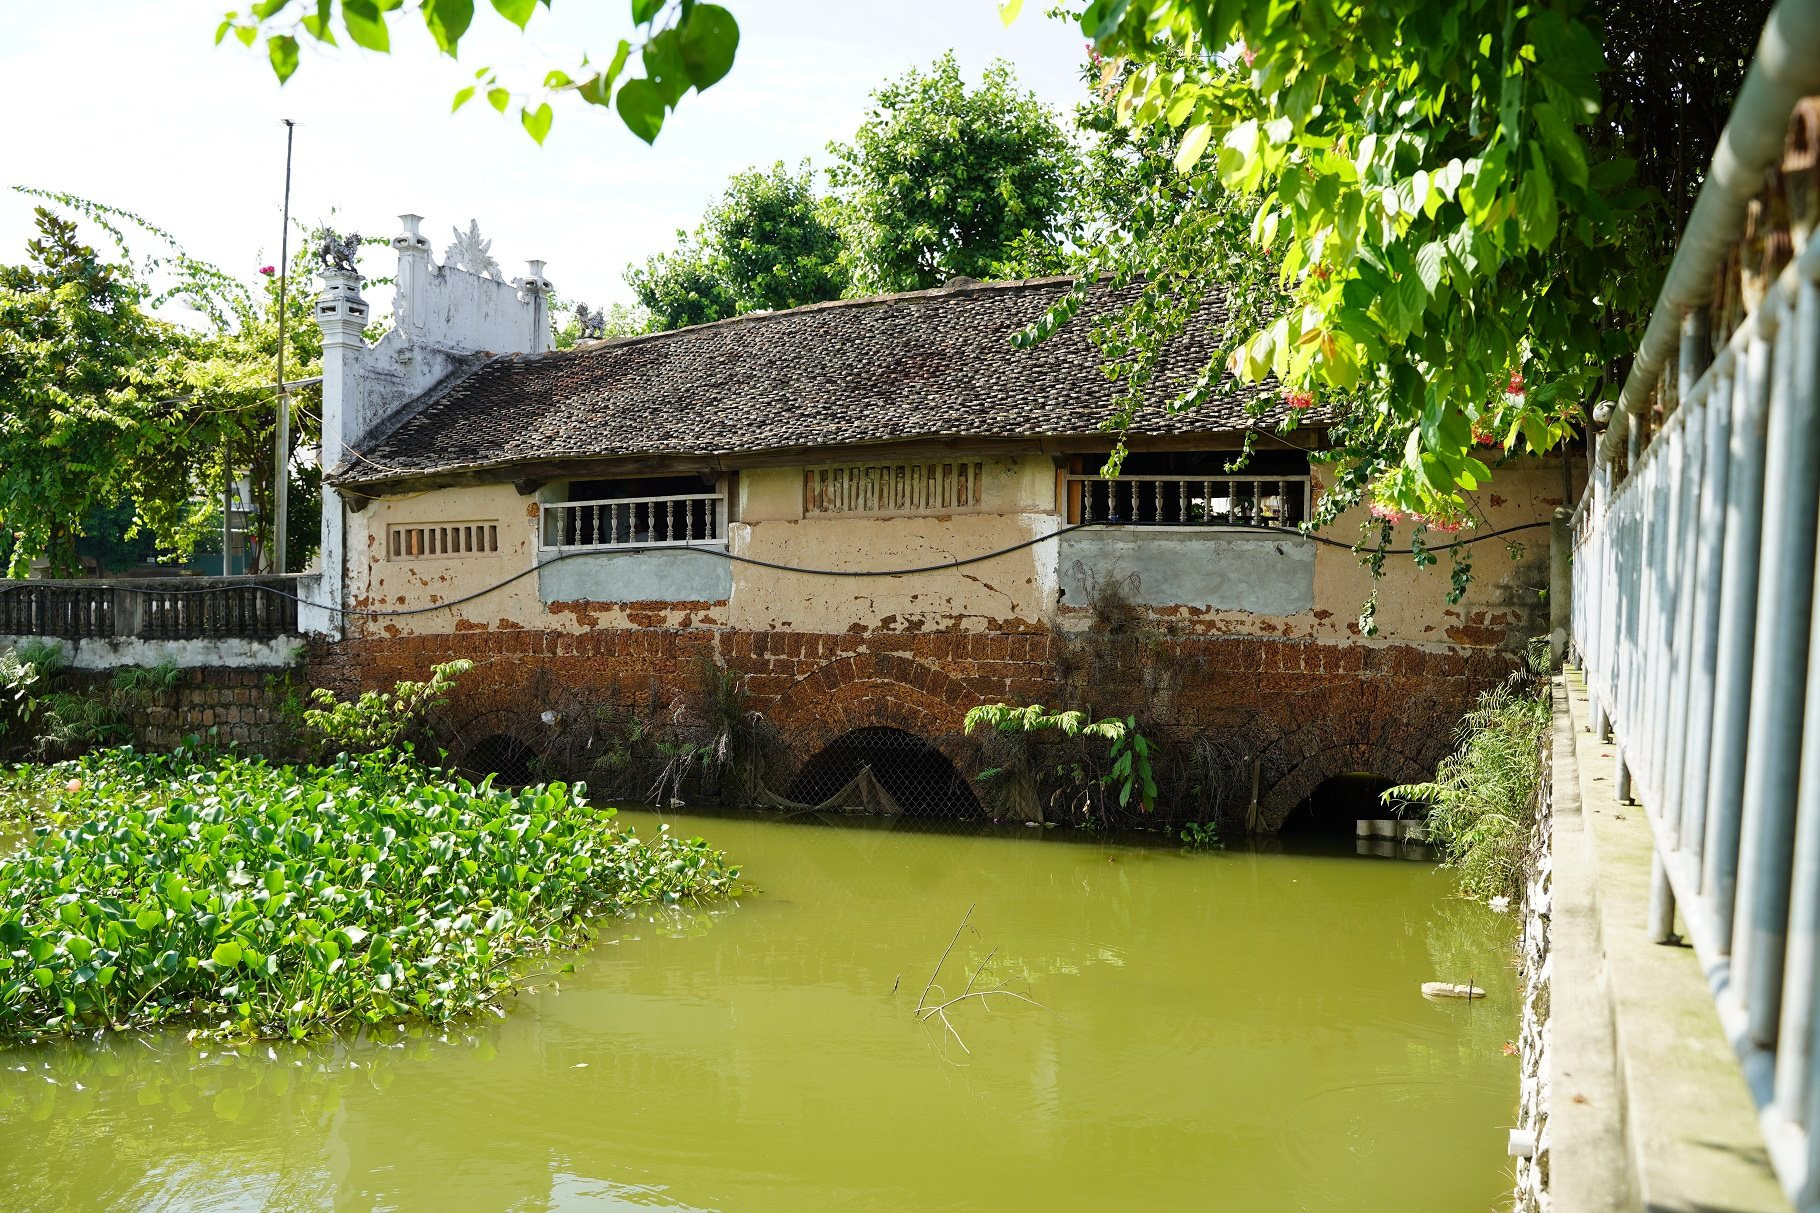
<point x="1703" y="657"/>
<point x="1791" y="486"/>
<point x="1796" y="1054"/>
<point x="1661" y="903"/>
<point x="1685" y="542"/>
<point x="1736" y="656"/>
<point x="1560" y="587"/>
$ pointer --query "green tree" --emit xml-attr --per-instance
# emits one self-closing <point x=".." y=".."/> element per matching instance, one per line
<point x="219" y="421"/>
<point x="684" y="46"/>
<point x="943" y="181"/>
<point x="197" y="404"/>
<point x="73" y="339"/>
<point x="778" y="243"/>
<point x="683" y="286"/>
<point x="1465" y="205"/>
<point x="768" y="242"/>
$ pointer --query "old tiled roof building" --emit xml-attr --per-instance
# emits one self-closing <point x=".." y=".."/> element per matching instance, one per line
<point x="870" y="516"/>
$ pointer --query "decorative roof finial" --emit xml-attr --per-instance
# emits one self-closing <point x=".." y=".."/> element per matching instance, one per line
<point x="593" y="324"/>
<point x="473" y="253"/>
<point x="338" y="253"/>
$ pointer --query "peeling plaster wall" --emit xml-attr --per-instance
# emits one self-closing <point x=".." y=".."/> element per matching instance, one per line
<point x="376" y="583"/>
<point x="1218" y="582"/>
<point x="1008" y="592"/>
<point x="1503" y="605"/>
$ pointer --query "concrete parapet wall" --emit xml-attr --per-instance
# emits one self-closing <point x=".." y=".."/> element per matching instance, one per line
<point x="1530" y="1140"/>
<point x="101" y="653"/>
<point x="1263" y="573"/>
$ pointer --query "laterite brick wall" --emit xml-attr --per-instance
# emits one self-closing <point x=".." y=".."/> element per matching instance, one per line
<point x="1304" y="710"/>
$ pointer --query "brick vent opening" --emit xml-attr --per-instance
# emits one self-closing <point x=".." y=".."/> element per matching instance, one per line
<point x="894" y="488"/>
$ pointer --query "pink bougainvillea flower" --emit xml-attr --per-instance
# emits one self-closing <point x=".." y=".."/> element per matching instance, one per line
<point x="268" y="270"/>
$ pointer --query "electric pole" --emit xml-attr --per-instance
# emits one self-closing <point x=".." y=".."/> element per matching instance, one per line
<point x="281" y="439"/>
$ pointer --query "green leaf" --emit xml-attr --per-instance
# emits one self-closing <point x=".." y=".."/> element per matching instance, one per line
<point x="147" y="920"/>
<point x="1009" y="9"/>
<point x="499" y="98"/>
<point x="1429" y="265"/>
<point x="366" y="25"/>
<point x="1564" y="146"/>
<point x="318" y="27"/>
<point x="462" y="97"/>
<point x="226" y="955"/>
<point x="708" y="40"/>
<point x="448" y="21"/>
<point x="641" y="109"/>
<point x="1194" y="143"/>
<point x="282" y="49"/>
<point x="536" y="122"/>
<point x="598" y="90"/>
<point x="518" y="12"/>
<point x="644" y="10"/>
<point x="1536" y="210"/>
<point x="664" y="67"/>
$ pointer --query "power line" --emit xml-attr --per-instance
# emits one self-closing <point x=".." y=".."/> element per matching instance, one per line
<point x="774" y="566"/>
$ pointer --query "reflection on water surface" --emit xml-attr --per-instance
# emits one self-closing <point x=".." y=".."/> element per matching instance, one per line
<point x="1237" y="1031"/>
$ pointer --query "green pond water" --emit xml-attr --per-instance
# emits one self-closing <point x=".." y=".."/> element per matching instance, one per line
<point x="1236" y="1031"/>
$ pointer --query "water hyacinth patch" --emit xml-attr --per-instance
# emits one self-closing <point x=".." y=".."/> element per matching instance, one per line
<point x="247" y="900"/>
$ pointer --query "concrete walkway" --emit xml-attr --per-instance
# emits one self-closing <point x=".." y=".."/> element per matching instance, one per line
<point x="1647" y="1107"/>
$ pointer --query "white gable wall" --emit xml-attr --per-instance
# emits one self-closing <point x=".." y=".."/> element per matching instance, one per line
<point x="446" y="318"/>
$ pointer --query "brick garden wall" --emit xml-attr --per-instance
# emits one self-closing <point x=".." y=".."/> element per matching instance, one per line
<point x="222" y="705"/>
<point x="1304" y="710"/>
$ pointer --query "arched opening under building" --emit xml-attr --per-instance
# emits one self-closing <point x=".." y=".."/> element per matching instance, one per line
<point x="510" y="761"/>
<point x="1338" y="804"/>
<point x="903" y="775"/>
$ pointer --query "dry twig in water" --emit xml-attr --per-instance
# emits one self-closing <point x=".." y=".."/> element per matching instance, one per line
<point x="925" y="1010"/>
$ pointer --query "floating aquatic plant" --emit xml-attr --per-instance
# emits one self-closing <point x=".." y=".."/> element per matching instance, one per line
<point x="248" y="900"/>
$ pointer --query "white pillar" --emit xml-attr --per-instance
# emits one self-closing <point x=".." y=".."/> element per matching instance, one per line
<point x="342" y="315"/>
<point x="536" y="289"/>
<point x="409" y="311"/>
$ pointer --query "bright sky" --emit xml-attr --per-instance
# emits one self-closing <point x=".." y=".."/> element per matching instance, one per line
<point x="129" y="102"/>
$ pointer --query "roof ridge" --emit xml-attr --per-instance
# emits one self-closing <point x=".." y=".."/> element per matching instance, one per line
<point x="956" y="290"/>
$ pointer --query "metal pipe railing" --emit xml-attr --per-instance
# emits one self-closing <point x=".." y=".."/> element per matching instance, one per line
<point x="1693" y="611"/>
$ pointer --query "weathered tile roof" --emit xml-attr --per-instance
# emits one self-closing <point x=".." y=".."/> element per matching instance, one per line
<point x="926" y="365"/>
